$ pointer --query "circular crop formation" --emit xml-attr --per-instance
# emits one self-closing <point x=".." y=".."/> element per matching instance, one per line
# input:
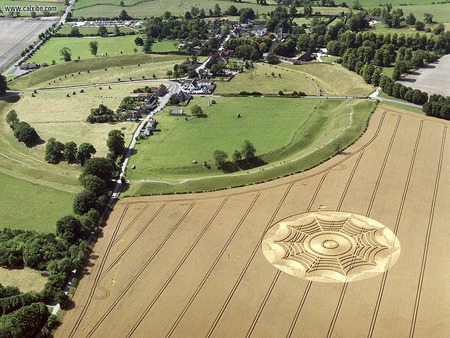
<point x="331" y="246"/>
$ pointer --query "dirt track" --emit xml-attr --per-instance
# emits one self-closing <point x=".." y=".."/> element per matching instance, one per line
<point x="192" y="265"/>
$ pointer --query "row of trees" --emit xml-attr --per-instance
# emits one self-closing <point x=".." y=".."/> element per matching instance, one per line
<point x="56" y="152"/>
<point x="247" y="154"/>
<point x="22" y="131"/>
<point x="438" y="106"/>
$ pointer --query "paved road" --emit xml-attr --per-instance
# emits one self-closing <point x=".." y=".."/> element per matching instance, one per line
<point x="174" y="88"/>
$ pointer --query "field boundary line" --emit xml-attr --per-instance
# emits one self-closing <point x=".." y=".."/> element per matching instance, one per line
<point x="277" y="275"/>
<point x="427" y="237"/>
<point x="369" y="208"/>
<point x="396" y="226"/>
<point x="136" y="237"/>
<point x="177" y="268"/>
<point x="216" y="261"/>
<point x="249" y="261"/>
<point x="136" y="277"/>
<point x="97" y="275"/>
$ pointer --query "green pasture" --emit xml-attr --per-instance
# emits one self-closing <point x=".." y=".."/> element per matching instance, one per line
<point x="122" y="66"/>
<point x="66" y="29"/>
<point x="53" y="114"/>
<point x="148" y="8"/>
<point x="25" y="279"/>
<point x="107" y="46"/>
<point x="31" y="206"/>
<point x="15" y="3"/>
<point x="309" y="78"/>
<point x="165" y="46"/>
<point x="290" y="135"/>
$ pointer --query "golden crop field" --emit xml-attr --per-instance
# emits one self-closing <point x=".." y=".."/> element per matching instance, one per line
<point x="195" y="265"/>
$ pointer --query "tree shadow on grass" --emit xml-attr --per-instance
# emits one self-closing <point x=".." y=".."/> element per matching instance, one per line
<point x="231" y="167"/>
<point x="13" y="98"/>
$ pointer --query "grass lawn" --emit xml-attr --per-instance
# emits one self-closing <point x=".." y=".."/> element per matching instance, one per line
<point x="25" y="279"/>
<point x="122" y="66"/>
<point x="80" y="48"/>
<point x="53" y="114"/>
<point x="165" y="46"/>
<point x="41" y="206"/>
<point x="13" y="3"/>
<point x="289" y="135"/>
<point x="147" y="8"/>
<point x="308" y="78"/>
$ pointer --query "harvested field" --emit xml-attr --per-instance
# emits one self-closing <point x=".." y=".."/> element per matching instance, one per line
<point x="16" y="35"/>
<point x="430" y="79"/>
<point x="193" y="265"/>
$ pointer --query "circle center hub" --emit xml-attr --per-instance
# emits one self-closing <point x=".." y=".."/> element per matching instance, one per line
<point x="330" y="244"/>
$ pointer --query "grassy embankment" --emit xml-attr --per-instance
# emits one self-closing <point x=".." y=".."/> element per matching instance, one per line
<point x="120" y="66"/>
<point x="290" y="135"/>
<point x="288" y="78"/>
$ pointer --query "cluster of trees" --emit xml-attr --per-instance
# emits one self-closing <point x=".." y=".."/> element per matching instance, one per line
<point x="102" y="114"/>
<point x="173" y="28"/>
<point x="438" y="106"/>
<point x="400" y="91"/>
<point x="25" y="322"/>
<point x="250" y="48"/>
<point x="247" y="154"/>
<point x="22" y="131"/>
<point x="56" y="152"/>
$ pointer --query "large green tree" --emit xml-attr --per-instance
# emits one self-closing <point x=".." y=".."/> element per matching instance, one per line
<point x="53" y="151"/>
<point x="66" y="54"/>
<point x="248" y="150"/>
<point x="70" y="152"/>
<point x="85" y="152"/>
<point x="93" y="47"/>
<point x="84" y="201"/>
<point x="12" y="118"/>
<point x="115" y="143"/>
<point x="69" y="228"/>
<point x="220" y="157"/>
<point x="104" y="168"/>
<point x="25" y="133"/>
<point x="93" y="184"/>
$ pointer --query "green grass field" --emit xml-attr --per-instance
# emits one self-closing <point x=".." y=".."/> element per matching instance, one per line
<point x="165" y="46"/>
<point x="147" y="8"/>
<point x="25" y="279"/>
<point x="42" y="206"/>
<point x="53" y="114"/>
<point x="302" y="132"/>
<point x="122" y="66"/>
<point x="80" y="48"/>
<point x="307" y="78"/>
<point x="46" y="3"/>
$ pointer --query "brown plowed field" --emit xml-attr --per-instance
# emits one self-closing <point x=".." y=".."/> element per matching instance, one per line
<point x="192" y="265"/>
